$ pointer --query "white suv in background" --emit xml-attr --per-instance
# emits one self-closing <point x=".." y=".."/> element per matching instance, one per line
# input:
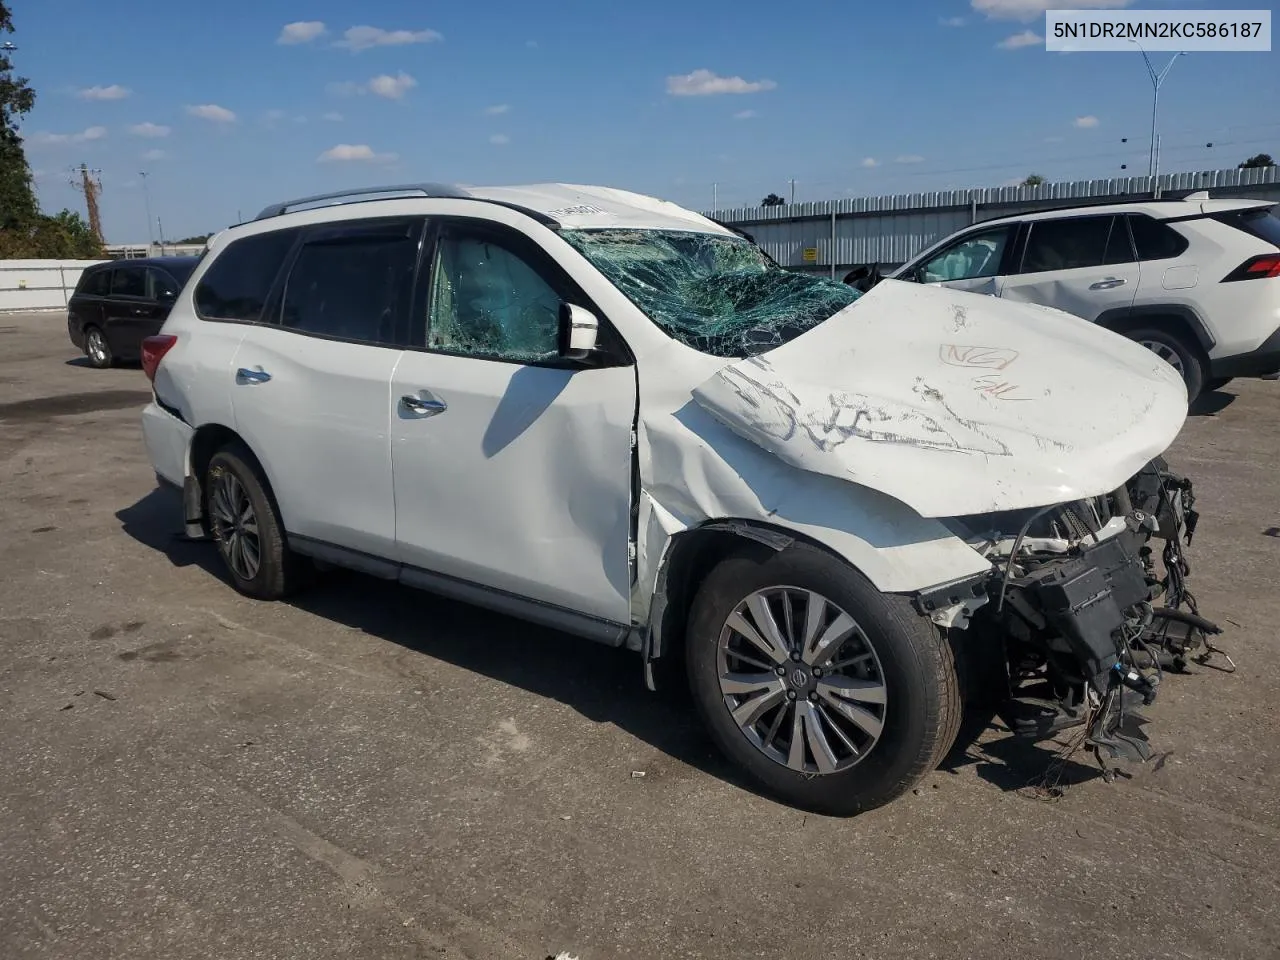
<point x="1196" y="280"/>
<point x="610" y="415"/>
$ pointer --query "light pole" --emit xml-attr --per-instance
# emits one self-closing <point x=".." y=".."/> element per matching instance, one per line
<point x="146" y="199"/>
<point x="1153" y="163"/>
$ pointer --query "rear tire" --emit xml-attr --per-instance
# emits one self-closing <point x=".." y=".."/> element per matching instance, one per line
<point x="246" y="526"/>
<point x="898" y="676"/>
<point x="1177" y="352"/>
<point x="97" y="349"/>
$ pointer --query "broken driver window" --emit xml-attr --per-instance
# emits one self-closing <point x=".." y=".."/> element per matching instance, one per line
<point x="718" y="294"/>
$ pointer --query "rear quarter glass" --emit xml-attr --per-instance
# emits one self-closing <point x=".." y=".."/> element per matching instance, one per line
<point x="1261" y="222"/>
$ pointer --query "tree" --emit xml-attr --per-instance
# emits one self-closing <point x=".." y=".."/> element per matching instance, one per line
<point x="191" y="241"/>
<point x="17" y="199"/>
<point x="773" y="200"/>
<point x="1260" y="160"/>
<point x="1033" y="180"/>
<point x="24" y="232"/>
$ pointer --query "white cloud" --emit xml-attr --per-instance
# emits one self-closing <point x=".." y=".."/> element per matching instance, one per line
<point x="1028" y="10"/>
<point x="332" y="116"/>
<point x="1085" y="123"/>
<point x="84" y="136"/>
<point x="211" y="111"/>
<point x="301" y="31"/>
<point x="366" y="38"/>
<point x="149" y="129"/>
<point x="498" y="109"/>
<point x="392" y="88"/>
<point x="909" y="158"/>
<point x="113" y="92"/>
<point x="951" y="21"/>
<point x="1027" y="38"/>
<point x="704" y="83"/>
<point x="744" y="115"/>
<point x="361" y="152"/>
<point x="499" y="139"/>
<point x="870" y="162"/>
<point x="274" y="115"/>
<point x="154" y="155"/>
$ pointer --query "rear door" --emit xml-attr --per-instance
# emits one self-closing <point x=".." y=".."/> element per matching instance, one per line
<point x="84" y="309"/>
<point x="311" y="386"/>
<point x="972" y="262"/>
<point x="1081" y="265"/>
<point x="127" y="312"/>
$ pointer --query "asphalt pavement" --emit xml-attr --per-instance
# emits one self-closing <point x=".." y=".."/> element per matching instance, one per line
<point x="371" y="772"/>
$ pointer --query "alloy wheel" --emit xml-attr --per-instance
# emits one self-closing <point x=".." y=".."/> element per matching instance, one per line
<point x="96" y="346"/>
<point x="235" y="525"/>
<point x="801" y="680"/>
<point x="1165" y="353"/>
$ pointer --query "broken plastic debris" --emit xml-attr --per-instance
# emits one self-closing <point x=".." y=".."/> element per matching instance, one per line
<point x="637" y="774"/>
<point x="718" y="294"/>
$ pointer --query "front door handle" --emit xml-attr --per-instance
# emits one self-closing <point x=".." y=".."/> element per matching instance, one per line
<point x="244" y="375"/>
<point x="1107" y="283"/>
<point x="425" y="408"/>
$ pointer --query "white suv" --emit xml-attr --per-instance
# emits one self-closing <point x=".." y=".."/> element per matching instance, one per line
<point x="608" y="414"/>
<point x="1195" y="280"/>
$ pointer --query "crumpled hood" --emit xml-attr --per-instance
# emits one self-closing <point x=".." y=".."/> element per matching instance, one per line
<point x="956" y="403"/>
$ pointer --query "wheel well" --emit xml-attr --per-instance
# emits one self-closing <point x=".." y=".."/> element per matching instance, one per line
<point x="1169" y="323"/>
<point x="207" y="441"/>
<point x="692" y="556"/>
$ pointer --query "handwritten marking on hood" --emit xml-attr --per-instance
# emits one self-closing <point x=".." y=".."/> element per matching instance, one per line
<point x="990" y="358"/>
<point x="993" y="386"/>
<point x="959" y="317"/>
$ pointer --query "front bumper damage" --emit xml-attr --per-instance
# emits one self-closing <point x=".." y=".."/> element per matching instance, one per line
<point x="1083" y="620"/>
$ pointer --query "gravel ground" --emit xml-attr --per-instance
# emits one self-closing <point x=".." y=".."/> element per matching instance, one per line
<point x="369" y="772"/>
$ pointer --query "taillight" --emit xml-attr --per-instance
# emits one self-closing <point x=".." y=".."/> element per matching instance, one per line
<point x="153" y="351"/>
<point x="1267" y="265"/>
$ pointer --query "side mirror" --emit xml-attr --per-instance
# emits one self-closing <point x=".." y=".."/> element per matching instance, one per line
<point x="578" y="331"/>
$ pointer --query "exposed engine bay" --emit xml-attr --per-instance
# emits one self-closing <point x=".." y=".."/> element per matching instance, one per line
<point x="1082" y="619"/>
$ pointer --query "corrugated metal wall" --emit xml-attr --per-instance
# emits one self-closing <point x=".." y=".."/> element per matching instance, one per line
<point x="891" y="229"/>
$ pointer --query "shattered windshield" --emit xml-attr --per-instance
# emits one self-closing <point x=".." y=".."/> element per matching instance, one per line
<point x="718" y="294"/>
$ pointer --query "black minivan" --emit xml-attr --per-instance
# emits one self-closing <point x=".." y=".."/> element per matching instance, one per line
<point x="117" y="304"/>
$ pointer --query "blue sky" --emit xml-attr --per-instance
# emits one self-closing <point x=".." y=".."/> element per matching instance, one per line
<point x="663" y="97"/>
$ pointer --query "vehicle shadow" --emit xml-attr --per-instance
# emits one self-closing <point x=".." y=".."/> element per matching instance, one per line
<point x="603" y="684"/>
<point x="1211" y="403"/>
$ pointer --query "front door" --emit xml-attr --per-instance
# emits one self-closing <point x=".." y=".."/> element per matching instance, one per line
<point x="512" y="467"/>
<point x="1081" y="265"/>
<point x="311" y="388"/>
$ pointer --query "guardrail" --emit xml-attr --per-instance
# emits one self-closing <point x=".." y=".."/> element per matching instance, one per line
<point x="39" y="284"/>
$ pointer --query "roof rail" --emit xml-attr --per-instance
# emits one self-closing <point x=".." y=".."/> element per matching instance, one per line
<point x="356" y="196"/>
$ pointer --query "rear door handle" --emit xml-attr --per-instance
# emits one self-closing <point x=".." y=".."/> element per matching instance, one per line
<point x="1107" y="283"/>
<point x="244" y="375"/>
<point x="425" y="408"/>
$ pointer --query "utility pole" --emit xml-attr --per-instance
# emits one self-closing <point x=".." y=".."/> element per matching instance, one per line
<point x="1153" y="161"/>
<point x="90" y="185"/>
<point x="146" y="199"/>
<point x="793" y="191"/>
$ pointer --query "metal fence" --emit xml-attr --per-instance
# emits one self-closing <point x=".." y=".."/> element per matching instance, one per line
<point x="39" y="284"/>
<point x="834" y="236"/>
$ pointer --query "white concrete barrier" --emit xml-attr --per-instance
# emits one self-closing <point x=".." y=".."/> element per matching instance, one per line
<point x="39" y="284"/>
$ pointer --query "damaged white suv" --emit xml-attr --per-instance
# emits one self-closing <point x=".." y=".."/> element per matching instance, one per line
<point x="608" y="414"/>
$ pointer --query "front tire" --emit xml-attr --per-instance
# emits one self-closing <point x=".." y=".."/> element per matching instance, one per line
<point x="833" y="696"/>
<point x="1176" y="352"/>
<point x="246" y="526"/>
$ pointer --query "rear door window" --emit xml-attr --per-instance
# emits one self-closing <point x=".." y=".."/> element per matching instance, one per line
<point x="238" y="283"/>
<point x="161" y="285"/>
<point x="1155" y="240"/>
<point x="129" y="282"/>
<point x="1067" y="244"/>
<point x="96" y="284"/>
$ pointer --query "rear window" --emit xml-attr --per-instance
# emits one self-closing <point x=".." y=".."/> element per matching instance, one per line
<point x="1262" y="222"/>
<point x="238" y="282"/>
